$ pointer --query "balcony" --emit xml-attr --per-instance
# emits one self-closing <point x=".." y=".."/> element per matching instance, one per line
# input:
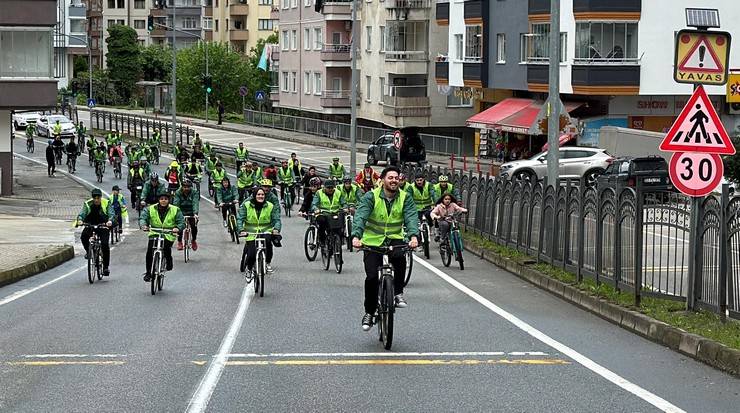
<point x="336" y="99"/>
<point x="598" y="8"/>
<point x="408" y="4"/>
<point x="275" y="53"/>
<point x="238" y="34"/>
<point x="239" y="9"/>
<point x="539" y="7"/>
<point x="77" y="11"/>
<point x="473" y="74"/>
<point x="159" y="32"/>
<point x="208" y="12"/>
<point x="336" y="53"/>
<point x="606" y="79"/>
<point x="407" y="101"/>
<point x="406" y="62"/>
<point x="443" y="14"/>
<point x="338" y="9"/>
<point x="155" y="12"/>
<point x="409" y="9"/>
<point x="442" y="72"/>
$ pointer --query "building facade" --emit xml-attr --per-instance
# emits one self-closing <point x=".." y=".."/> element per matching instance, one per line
<point x="193" y="20"/>
<point x="27" y="77"/>
<point x="94" y="29"/>
<point x="70" y="38"/>
<point x="131" y="13"/>
<point x="241" y="23"/>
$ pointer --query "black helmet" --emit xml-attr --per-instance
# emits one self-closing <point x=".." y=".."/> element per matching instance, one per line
<point x="330" y="184"/>
<point x="96" y="192"/>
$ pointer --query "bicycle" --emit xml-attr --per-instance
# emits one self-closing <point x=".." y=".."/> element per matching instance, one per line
<point x="287" y="198"/>
<point x="211" y="188"/>
<point x="81" y="141"/>
<point x="58" y="156"/>
<point x="99" y="170"/>
<point x="409" y="267"/>
<point x="71" y="162"/>
<point x="186" y="237"/>
<point x="452" y="245"/>
<point x="349" y="219"/>
<point x="155" y="154"/>
<point x="386" y="294"/>
<point x="231" y="221"/>
<point x="136" y="199"/>
<point x="260" y="264"/>
<point x="117" y="167"/>
<point x="333" y="244"/>
<point x="95" y="255"/>
<point x="195" y="180"/>
<point x="424" y="233"/>
<point x="310" y="247"/>
<point x="157" y="274"/>
<point x="114" y="235"/>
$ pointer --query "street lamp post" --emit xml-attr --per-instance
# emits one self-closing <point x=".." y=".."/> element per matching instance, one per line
<point x="89" y="60"/>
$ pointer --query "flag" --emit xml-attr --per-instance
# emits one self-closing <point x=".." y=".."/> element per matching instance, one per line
<point x="263" y="59"/>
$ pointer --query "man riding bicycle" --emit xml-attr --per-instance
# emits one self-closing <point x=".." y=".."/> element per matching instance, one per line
<point x="286" y="179"/>
<point x="136" y="176"/>
<point x="241" y="155"/>
<point x="164" y="216"/>
<point x="99" y="155"/>
<point x="327" y="200"/>
<point x="247" y="177"/>
<point x="193" y="171"/>
<point x="72" y="153"/>
<point x="443" y="187"/>
<point x="188" y="200"/>
<point x="336" y="170"/>
<point x="226" y="196"/>
<point x="118" y="203"/>
<point x="57" y="129"/>
<point x="152" y="190"/>
<point x="58" y="145"/>
<point x="379" y="221"/>
<point x="258" y="215"/>
<point x="91" y="144"/>
<point x="367" y="178"/>
<point x="423" y="195"/>
<point x="351" y="192"/>
<point x="96" y="211"/>
<point x="207" y="149"/>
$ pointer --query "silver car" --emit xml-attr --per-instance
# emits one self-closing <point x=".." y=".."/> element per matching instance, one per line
<point x="44" y="126"/>
<point x="575" y="162"/>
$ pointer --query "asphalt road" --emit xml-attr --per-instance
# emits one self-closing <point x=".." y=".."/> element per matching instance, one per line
<point x="478" y="340"/>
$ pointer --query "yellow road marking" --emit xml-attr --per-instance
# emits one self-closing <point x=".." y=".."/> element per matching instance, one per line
<point x="65" y="363"/>
<point x="412" y="362"/>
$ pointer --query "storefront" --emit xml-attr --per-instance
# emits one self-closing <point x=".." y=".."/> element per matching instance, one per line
<point x="652" y="113"/>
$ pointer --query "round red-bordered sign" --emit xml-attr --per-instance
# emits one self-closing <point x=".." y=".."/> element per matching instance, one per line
<point x="696" y="174"/>
<point x="397" y="139"/>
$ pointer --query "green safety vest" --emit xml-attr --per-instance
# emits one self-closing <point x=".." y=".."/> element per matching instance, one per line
<point x="218" y="176"/>
<point x="241" y="154"/>
<point x="336" y="171"/>
<point x="103" y="206"/>
<point x="291" y="164"/>
<point x="351" y="196"/>
<point x="57" y="128"/>
<point x="331" y="205"/>
<point x="254" y="224"/>
<point x="380" y="224"/>
<point x="285" y="176"/>
<point x="438" y="190"/>
<point x="169" y="221"/>
<point x="422" y="199"/>
<point x="134" y="171"/>
<point x="247" y="179"/>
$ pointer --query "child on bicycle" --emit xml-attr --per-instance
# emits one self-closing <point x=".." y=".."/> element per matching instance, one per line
<point x="446" y="207"/>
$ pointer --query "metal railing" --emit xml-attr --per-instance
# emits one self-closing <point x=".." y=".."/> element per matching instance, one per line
<point x="336" y="48"/>
<point x="622" y="236"/>
<point x="408" y="4"/>
<point x="407" y="55"/>
<point x="140" y="127"/>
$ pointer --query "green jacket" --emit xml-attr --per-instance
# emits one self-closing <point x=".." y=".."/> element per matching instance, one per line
<point x="316" y="203"/>
<point x="241" y="154"/>
<point x="285" y="176"/>
<point x="274" y="218"/>
<point x="121" y="203"/>
<point x="148" y="188"/>
<point x="336" y="172"/>
<point x="451" y="189"/>
<point x="144" y="219"/>
<point x="248" y="179"/>
<point x="224" y="195"/>
<point x="365" y="208"/>
<point x="189" y="204"/>
<point x="107" y="207"/>
<point x="100" y="155"/>
<point x="427" y="203"/>
<point x="352" y="196"/>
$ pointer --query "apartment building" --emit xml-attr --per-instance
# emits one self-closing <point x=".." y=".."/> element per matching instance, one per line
<point x="26" y="69"/>
<point x="131" y="13"/>
<point x="241" y="23"/>
<point x="70" y="38"/>
<point x="193" y="20"/>
<point x="94" y="30"/>
<point x="312" y="62"/>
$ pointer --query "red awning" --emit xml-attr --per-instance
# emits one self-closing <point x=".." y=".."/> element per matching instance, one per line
<point x="513" y="115"/>
<point x="561" y="141"/>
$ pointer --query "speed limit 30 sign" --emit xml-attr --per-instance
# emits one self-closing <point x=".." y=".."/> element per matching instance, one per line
<point x="696" y="174"/>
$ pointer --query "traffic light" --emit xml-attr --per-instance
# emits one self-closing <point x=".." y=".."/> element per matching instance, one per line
<point x="208" y="84"/>
<point x="150" y="23"/>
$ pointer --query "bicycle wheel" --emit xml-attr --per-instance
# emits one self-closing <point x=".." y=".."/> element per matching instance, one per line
<point x="409" y="267"/>
<point x="160" y="281"/>
<point x="70" y="168"/>
<point x="444" y="251"/>
<point x="261" y="270"/>
<point x="458" y="249"/>
<point x="156" y="267"/>
<point x="309" y="243"/>
<point x="99" y="265"/>
<point x="233" y="228"/>
<point x="90" y="267"/>
<point x="338" y="253"/>
<point x="186" y="242"/>
<point x="326" y="253"/>
<point x="389" y="308"/>
<point x="425" y="245"/>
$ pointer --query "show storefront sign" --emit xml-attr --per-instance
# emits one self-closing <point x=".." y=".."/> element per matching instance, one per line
<point x="652" y="113"/>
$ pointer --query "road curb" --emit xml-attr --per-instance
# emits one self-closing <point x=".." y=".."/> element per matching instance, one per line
<point x="60" y="255"/>
<point x="697" y="347"/>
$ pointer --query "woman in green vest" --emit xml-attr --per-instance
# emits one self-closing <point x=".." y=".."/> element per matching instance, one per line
<point x="258" y="215"/>
<point x="161" y="215"/>
<point x="327" y="200"/>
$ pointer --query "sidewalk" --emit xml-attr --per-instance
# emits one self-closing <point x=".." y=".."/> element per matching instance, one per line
<point x="36" y="221"/>
<point x="472" y="164"/>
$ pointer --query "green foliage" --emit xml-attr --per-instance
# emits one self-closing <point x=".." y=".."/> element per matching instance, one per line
<point x="123" y="59"/>
<point x="732" y="163"/>
<point x="156" y="63"/>
<point x="80" y="66"/>
<point x="104" y="89"/>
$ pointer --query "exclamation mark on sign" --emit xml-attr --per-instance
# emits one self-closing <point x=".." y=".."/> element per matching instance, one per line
<point x="702" y="52"/>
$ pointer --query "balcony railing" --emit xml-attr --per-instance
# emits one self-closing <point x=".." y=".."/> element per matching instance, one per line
<point x="408" y="4"/>
<point x="275" y="54"/>
<point x="338" y="7"/>
<point x="336" y="52"/>
<point x="414" y="55"/>
<point x="238" y="35"/>
<point x="407" y="101"/>
<point x="336" y="99"/>
<point x="239" y="9"/>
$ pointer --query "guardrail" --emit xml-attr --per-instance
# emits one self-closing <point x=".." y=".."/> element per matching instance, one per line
<point x="140" y="127"/>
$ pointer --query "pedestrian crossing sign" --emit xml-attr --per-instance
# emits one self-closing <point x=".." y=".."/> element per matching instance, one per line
<point x="701" y="57"/>
<point x="698" y="129"/>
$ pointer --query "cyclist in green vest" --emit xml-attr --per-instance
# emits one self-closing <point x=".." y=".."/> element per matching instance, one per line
<point x="286" y="178"/>
<point x="188" y="200"/>
<point x="258" y="215"/>
<point x="247" y="178"/>
<point x="241" y="155"/>
<point x="336" y="169"/>
<point x="443" y="187"/>
<point x="327" y="200"/>
<point x="207" y="149"/>
<point x="96" y="211"/>
<point x="91" y="144"/>
<point x="351" y="191"/>
<point x="57" y="129"/>
<point x="161" y="215"/>
<point x="111" y="138"/>
<point x="152" y="190"/>
<point x="118" y="204"/>
<point x="381" y="217"/>
<point x="423" y="194"/>
<point x="226" y="198"/>
<point x="136" y="177"/>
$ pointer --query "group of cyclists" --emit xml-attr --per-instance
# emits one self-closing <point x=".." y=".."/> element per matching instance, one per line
<point x="387" y="209"/>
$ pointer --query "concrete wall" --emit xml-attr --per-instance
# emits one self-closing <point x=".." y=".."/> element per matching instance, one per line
<point x="6" y="154"/>
<point x="508" y="17"/>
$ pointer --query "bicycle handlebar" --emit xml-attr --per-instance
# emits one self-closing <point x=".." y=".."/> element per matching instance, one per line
<point x="386" y="250"/>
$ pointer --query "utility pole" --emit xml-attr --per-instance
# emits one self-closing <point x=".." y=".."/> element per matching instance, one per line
<point x="174" y="71"/>
<point x="553" y="102"/>
<point x="353" y="91"/>
<point x="206" y="46"/>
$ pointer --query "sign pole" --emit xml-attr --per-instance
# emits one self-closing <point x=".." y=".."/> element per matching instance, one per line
<point x="553" y="102"/>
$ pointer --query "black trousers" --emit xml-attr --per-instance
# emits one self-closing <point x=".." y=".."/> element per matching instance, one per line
<point x="225" y="210"/>
<point x="104" y="236"/>
<point x="50" y="166"/>
<point x="373" y="261"/>
<point x="250" y="251"/>
<point x="167" y="250"/>
<point x="243" y="193"/>
<point x="193" y="229"/>
<point x="322" y="221"/>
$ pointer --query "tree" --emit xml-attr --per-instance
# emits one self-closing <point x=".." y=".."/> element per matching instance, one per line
<point x="156" y="63"/>
<point x="123" y="59"/>
<point x="260" y="79"/>
<point x="80" y="66"/>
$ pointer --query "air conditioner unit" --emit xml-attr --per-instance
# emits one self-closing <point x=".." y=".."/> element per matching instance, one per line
<point x="734" y="109"/>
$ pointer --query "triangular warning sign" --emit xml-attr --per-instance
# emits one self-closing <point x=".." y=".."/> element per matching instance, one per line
<point x="702" y="58"/>
<point x="698" y="129"/>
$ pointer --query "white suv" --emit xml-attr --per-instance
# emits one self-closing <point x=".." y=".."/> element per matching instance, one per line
<point x="575" y="162"/>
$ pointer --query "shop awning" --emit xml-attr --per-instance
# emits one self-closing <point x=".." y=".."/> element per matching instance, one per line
<point x="561" y="141"/>
<point x="513" y="115"/>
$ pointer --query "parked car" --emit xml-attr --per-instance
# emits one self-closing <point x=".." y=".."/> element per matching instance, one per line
<point x="45" y="124"/>
<point x="22" y="119"/>
<point x="383" y="149"/>
<point x="575" y="162"/>
<point x="651" y="171"/>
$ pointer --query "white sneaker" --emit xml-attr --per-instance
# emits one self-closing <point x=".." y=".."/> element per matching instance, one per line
<point x="224" y="224"/>
<point x="367" y="322"/>
<point x="269" y="269"/>
<point x="248" y="276"/>
<point x="401" y="301"/>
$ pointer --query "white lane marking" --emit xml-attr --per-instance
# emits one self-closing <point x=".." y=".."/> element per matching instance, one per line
<point x="44" y="356"/>
<point x="638" y="391"/>
<point x="208" y="383"/>
<point x="393" y="355"/>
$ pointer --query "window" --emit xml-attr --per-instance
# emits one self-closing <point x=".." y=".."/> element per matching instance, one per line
<point x="606" y="42"/>
<point x="265" y="24"/>
<point x="264" y="2"/>
<point x="381" y="29"/>
<point x="459" y="46"/>
<point x="120" y="22"/>
<point x="317" y="85"/>
<point x="207" y="23"/>
<point x="78" y="26"/>
<point x="368" y="90"/>
<point x="139" y="24"/>
<point x="336" y="84"/>
<point x="501" y="48"/>
<point x="293" y="82"/>
<point x="285" y="42"/>
<point x="307" y="83"/>
<point x="538" y="44"/>
<point x="307" y="39"/>
<point x="294" y="40"/>
<point x="318" y="38"/>
<point x="293" y="3"/>
<point x="189" y="23"/>
<point x="369" y="40"/>
<point x="382" y="89"/>
<point x="459" y="100"/>
<point x="216" y="25"/>
<point x="286" y="4"/>
<point x="111" y="23"/>
<point x="474" y="43"/>
<point x="285" y="82"/>
<point x="522" y="47"/>
<point x="336" y="38"/>
<point x="307" y="3"/>
<point x="139" y="4"/>
<point x="26" y="52"/>
<point x="111" y="4"/>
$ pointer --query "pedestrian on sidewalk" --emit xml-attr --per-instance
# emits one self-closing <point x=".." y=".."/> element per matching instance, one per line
<point x="50" y="162"/>
<point x="220" y="111"/>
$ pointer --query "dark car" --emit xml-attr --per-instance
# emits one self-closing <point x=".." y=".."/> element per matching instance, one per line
<point x="383" y="149"/>
<point x="650" y="171"/>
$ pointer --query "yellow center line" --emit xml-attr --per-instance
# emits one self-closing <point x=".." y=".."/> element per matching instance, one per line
<point x="46" y="363"/>
<point x="386" y="362"/>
